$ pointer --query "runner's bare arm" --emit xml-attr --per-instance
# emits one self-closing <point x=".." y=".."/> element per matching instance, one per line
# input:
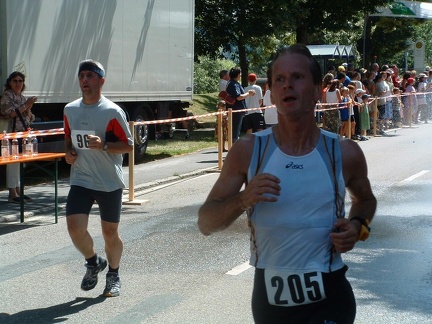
<point x="360" y="191"/>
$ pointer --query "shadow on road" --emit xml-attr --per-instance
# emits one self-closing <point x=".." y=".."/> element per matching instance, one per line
<point x="52" y="314"/>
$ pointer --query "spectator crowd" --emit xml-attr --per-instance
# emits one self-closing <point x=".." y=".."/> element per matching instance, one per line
<point x="349" y="98"/>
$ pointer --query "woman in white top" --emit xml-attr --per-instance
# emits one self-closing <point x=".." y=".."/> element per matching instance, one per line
<point x="331" y="116"/>
<point x="270" y="114"/>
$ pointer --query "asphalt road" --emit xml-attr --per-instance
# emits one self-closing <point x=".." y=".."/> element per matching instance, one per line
<point x="173" y="274"/>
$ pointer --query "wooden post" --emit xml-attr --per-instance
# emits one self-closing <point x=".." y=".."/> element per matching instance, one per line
<point x="375" y="116"/>
<point x="131" y="158"/>
<point x="220" y="138"/>
<point x="230" y="130"/>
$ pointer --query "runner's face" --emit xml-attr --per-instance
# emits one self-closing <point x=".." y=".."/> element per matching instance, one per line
<point x="90" y="83"/>
<point x="293" y="89"/>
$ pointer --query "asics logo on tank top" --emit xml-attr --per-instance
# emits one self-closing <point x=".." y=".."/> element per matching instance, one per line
<point x="293" y="166"/>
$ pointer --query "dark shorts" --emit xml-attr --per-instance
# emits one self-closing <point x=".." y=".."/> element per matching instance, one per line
<point x="254" y="121"/>
<point x="381" y="112"/>
<point x="339" y="306"/>
<point x="80" y="201"/>
<point x="344" y="114"/>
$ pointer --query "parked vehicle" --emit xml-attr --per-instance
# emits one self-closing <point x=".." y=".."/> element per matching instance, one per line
<point x="146" y="47"/>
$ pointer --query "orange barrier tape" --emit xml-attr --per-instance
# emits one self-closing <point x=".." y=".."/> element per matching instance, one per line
<point x="60" y="131"/>
<point x="38" y="133"/>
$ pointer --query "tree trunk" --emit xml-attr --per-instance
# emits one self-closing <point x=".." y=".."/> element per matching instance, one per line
<point x="302" y="34"/>
<point x="243" y="62"/>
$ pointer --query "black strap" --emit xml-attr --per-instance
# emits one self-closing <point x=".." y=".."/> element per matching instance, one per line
<point x="21" y="119"/>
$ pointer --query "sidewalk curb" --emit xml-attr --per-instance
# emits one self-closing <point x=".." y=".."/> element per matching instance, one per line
<point x="15" y="216"/>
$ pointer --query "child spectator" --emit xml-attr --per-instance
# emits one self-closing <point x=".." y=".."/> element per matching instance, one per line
<point x="364" y="117"/>
<point x="396" y="105"/>
<point x="345" y="112"/>
<point x="351" y="91"/>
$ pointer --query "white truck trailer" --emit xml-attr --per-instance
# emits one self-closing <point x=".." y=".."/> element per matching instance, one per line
<point x="146" y="47"/>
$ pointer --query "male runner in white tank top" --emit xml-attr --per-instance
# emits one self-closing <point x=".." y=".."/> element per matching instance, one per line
<point x="296" y="176"/>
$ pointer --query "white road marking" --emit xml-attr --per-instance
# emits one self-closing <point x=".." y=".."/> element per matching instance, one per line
<point x="239" y="269"/>
<point x="415" y="176"/>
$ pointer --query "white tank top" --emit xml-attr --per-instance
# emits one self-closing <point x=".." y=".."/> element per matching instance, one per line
<point x="294" y="232"/>
<point x="331" y="97"/>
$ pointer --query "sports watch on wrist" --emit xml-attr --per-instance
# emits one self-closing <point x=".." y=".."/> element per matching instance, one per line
<point x="364" y="229"/>
<point x="105" y="146"/>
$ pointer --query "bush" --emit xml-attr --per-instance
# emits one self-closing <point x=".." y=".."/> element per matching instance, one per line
<point x="206" y="73"/>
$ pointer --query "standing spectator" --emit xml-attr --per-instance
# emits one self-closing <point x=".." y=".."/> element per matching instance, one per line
<point x="410" y="104"/>
<point x="356" y="77"/>
<point x="331" y="115"/>
<point x="235" y="89"/>
<point x="404" y="80"/>
<point x="369" y="83"/>
<point x="223" y="80"/>
<point x="364" y="117"/>
<point x="254" y="119"/>
<point x="381" y="91"/>
<point x="17" y="109"/>
<point x="298" y="225"/>
<point x="341" y="77"/>
<point x="388" y="116"/>
<point x="96" y="136"/>
<point x="395" y="75"/>
<point x="396" y="105"/>
<point x="429" y="94"/>
<point x="374" y="68"/>
<point x="421" y="98"/>
<point x="270" y="114"/>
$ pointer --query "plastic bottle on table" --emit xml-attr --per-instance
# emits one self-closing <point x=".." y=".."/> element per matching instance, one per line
<point x="15" y="148"/>
<point x="34" y="142"/>
<point x="5" y="146"/>
<point x="29" y="145"/>
<point x="25" y="146"/>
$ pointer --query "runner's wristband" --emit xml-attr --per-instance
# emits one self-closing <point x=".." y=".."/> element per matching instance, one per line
<point x="364" y="230"/>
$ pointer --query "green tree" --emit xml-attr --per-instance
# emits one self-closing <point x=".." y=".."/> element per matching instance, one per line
<point x="237" y="26"/>
<point x="206" y="73"/>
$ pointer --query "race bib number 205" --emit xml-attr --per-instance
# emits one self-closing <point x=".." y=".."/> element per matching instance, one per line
<point x="293" y="289"/>
<point x="80" y="139"/>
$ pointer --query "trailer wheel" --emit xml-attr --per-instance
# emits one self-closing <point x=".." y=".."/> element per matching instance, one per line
<point x="141" y="133"/>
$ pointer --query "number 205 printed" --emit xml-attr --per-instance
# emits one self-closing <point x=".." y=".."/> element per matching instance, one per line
<point x="293" y="289"/>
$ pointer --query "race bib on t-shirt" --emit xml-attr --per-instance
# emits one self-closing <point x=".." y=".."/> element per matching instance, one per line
<point x="289" y="289"/>
<point x="80" y="139"/>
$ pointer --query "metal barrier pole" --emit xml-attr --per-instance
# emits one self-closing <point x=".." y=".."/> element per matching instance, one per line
<point x="230" y="143"/>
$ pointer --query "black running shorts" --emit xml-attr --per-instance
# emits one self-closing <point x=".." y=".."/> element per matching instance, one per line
<point x="80" y="201"/>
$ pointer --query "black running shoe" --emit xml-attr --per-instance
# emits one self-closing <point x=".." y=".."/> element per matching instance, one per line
<point x="90" y="279"/>
<point x="113" y="285"/>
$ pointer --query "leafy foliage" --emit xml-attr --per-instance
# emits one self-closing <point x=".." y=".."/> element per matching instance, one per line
<point x="250" y="30"/>
<point x="206" y="73"/>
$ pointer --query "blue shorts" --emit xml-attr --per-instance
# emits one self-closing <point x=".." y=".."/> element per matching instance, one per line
<point x="80" y="201"/>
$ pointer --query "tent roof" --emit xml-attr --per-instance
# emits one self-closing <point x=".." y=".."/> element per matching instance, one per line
<point x="330" y="51"/>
